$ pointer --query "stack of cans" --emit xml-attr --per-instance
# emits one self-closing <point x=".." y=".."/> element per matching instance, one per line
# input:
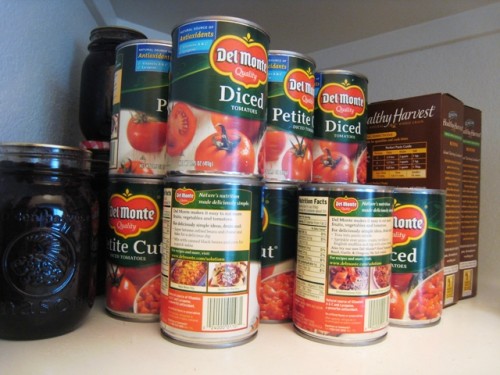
<point x="137" y="166"/>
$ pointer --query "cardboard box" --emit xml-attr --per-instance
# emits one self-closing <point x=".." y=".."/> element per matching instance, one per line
<point x="417" y="142"/>
<point x="471" y="175"/>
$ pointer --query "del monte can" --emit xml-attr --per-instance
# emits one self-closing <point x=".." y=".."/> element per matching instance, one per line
<point x="218" y="96"/>
<point x="340" y="114"/>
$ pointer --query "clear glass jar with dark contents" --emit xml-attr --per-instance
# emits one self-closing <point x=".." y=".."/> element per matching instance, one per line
<point x="97" y="79"/>
<point x="48" y="223"/>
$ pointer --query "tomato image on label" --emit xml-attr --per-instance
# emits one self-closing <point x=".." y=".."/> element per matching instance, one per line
<point x="397" y="306"/>
<point x="181" y="128"/>
<point x="134" y="167"/>
<point x="145" y="133"/>
<point x="274" y="144"/>
<point x="297" y="161"/>
<point x="226" y="150"/>
<point x="332" y="166"/>
<point x="251" y="128"/>
<point x="361" y="167"/>
<point x="348" y="149"/>
<point x="121" y="292"/>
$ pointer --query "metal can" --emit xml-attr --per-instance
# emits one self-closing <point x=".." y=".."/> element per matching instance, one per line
<point x="279" y="250"/>
<point x="218" y="96"/>
<point x="344" y="245"/>
<point x="140" y="102"/>
<point x="340" y="115"/>
<point x="417" y="281"/>
<point x="287" y="144"/>
<point x="134" y="248"/>
<point x="211" y="261"/>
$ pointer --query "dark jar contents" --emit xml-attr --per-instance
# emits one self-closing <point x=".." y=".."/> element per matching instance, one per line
<point x="99" y="184"/>
<point x="97" y="79"/>
<point x="47" y="227"/>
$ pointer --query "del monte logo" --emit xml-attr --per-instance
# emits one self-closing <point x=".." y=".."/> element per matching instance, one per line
<point x="345" y="205"/>
<point x="130" y="215"/>
<point x="409" y="224"/>
<point x="243" y="60"/>
<point x="185" y="196"/>
<point x="342" y="100"/>
<point x="299" y="87"/>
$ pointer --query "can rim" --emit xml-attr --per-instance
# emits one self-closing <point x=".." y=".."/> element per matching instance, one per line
<point x="343" y="71"/>
<point x="418" y="190"/>
<point x="292" y="54"/>
<point x="231" y="19"/>
<point x="166" y="43"/>
<point x="345" y="186"/>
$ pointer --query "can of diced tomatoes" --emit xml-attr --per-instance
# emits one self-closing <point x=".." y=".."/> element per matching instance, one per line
<point x="218" y="96"/>
<point x="286" y="150"/>
<point x="344" y="246"/>
<point x="139" y="121"/>
<point x="340" y="115"/>
<point x="134" y="237"/>
<point x="417" y="281"/>
<point x="212" y="234"/>
<point x="279" y="250"/>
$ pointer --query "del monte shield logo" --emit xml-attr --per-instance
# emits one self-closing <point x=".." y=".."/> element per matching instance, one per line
<point x="243" y="60"/>
<point x="346" y="205"/>
<point x="299" y="87"/>
<point x="409" y="224"/>
<point x="130" y="215"/>
<point x="342" y="100"/>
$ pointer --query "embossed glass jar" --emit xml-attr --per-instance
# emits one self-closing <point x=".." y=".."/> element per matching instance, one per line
<point x="47" y="231"/>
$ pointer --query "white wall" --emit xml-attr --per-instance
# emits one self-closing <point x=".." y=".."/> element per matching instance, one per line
<point x="43" y="45"/>
<point x="459" y="55"/>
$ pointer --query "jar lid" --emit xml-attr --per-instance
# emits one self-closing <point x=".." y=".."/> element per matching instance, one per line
<point x="46" y="156"/>
<point x="113" y="34"/>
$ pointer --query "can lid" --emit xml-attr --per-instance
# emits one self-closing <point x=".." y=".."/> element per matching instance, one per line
<point x="292" y="54"/>
<point x="116" y="33"/>
<point x="134" y="42"/>
<point x="232" y="19"/>
<point x="343" y="72"/>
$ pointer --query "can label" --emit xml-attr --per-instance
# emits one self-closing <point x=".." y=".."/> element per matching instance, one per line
<point x="279" y="250"/>
<point x="211" y="261"/>
<point x="218" y="96"/>
<point x="343" y="264"/>
<point x="417" y="280"/>
<point x="287" y="144"/>
<point x="139" y="122"/>
<point x="339" y="150"/>
<point x="134" y="248"/>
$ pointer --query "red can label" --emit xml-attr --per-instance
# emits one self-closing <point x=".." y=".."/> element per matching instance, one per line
<point x="218" y="96"/>
<point x="339" y="150"/>
<point x="286" y="151"/>
<point x="134" y="249"/>
<point x="139" y="123"/>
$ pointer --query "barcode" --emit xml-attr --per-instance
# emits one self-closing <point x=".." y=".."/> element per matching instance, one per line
<point x="224" y="313"/>
<point x="376" y="313"/>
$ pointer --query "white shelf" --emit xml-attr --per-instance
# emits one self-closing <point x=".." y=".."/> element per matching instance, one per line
<point x="466" y="341"/>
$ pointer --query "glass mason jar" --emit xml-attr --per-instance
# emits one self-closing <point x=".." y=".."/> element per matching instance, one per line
<point x="97" y="79"/>
<point x="48" y="224"/>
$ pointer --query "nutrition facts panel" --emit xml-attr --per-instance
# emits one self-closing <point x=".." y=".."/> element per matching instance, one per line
<point x="404" y="160"/>
<point x="312" y="242"/>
